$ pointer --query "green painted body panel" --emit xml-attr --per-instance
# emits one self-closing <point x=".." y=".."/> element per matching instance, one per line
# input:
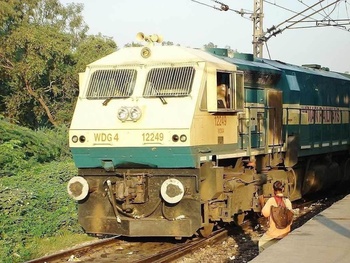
<point x="302" y="87"/>
<point x="255" y="95"/>
<point x="161" y="157"/>
<point x="157" y="157"/>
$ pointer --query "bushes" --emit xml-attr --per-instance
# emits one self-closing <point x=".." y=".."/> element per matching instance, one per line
<point x="34" y="204"/>
<point x="34" y="170"/>
<point x="21" y="147"/>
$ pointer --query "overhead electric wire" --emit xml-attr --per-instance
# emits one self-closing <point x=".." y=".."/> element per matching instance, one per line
<point x="320" y="25"/>
<point x="346" y="7"/>
<point x="206" y="5"/>
<point x="224" y="7"/>
<point x="327" y="16"/>
<point x="317" y="11"/>
<point x="282" y="7"/>
<point x="276" y="30"/>
<point x="300" y="13"/>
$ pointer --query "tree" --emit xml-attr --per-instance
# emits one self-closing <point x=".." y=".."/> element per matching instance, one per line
<point x="167" y="43"/>
<point x="133" y="44"/>
<point x="34" y="58"/>
<point x="92" y="48"/>
<point x="43" y="45"/>
<point x="210" y="45"/>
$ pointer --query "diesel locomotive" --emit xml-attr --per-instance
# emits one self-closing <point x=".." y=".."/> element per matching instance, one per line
<point x="170" y="141"/>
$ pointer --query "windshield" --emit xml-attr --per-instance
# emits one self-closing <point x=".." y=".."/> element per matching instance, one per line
<point x="169" y="82"/>
<point x="111" y="83"/>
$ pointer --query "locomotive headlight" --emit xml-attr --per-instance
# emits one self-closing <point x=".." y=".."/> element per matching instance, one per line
<point x="75" y="139"/>
<point x="183" y="138"/>
<point x="135" y="113"/>
<point x="82" y="138"/>
<point x="172" y="190"/>
<point x="123" y="114"/>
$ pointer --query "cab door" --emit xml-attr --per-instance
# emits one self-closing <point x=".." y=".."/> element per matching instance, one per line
<point x="274" y="110"/>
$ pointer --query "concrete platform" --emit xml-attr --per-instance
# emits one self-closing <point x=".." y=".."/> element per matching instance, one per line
<point x="323" y="239"/>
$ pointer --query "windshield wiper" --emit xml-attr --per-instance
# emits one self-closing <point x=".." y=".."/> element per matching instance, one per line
<point x="107" y="101"/>
<point x="162" y="100"/>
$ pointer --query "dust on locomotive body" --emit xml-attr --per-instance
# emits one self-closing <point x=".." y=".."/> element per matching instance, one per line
<point x="170" y="141"/>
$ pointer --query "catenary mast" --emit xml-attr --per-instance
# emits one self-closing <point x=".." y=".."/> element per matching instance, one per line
<point x="257" y="18"/>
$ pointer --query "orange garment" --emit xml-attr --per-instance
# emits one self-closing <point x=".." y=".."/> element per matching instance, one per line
<point x="272" y="231"/>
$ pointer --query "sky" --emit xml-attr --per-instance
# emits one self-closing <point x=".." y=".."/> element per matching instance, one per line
<point x="192" y="24"/>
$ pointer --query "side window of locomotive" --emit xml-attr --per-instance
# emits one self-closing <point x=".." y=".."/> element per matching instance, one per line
<point x="111" y="83"/>
<point x="169" y="82"/>
<point x="225" y="91"/>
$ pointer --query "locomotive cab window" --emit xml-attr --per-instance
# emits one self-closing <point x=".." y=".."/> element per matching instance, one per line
<point x="225" y="93"/>
<point x="224" y="90"/>
<point x="169" y="82"/>
<point x="111" y="83"/>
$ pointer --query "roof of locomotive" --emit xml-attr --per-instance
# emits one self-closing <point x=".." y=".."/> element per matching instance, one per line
<point x="252" y="65"/>
<point x="248" y="62"/>
<point x="159" y="54"/>
<point x="314" y="71"/>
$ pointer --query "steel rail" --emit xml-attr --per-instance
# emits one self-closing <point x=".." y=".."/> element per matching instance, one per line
<point x="75" y="251"/>
<point x="184" y="249"/>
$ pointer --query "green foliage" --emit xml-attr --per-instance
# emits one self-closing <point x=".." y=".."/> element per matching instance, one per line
<point x="21" y="147"/>
<point x="38" y="56"/>
<point x="168" y="43"/>
<point x="210" y="45"/>
<point x="43" y="45"/>
<point x="91" y="49"/>
<point x="133" y="44"/>
<point x="34" y="170"/>
<point x="34" y="204"/>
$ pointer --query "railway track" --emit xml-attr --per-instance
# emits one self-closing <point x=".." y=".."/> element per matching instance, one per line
<point x="177" y="252"/>
<point x="80" y="250"/>
<point x="116" y="249"/>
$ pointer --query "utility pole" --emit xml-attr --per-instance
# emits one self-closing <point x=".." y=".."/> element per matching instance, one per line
<point x="257" y="18"/>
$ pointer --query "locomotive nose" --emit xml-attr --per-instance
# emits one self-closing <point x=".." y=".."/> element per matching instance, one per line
<point x="78" y="188"/>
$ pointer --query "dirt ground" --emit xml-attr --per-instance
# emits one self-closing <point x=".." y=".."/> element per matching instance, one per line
<point x="242" y="244"/>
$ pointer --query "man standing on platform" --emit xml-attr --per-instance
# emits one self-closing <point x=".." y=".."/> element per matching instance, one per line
<point x="273" y="234"/>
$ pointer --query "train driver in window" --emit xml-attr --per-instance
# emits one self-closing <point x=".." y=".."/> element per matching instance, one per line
<point x="222" y="96"/>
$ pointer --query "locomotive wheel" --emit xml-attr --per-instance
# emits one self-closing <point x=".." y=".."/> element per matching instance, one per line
<point x="207" y="230"/>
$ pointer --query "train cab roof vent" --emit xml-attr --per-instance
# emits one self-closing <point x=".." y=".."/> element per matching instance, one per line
<point x="314" y="66"/>
<point x="244" y="56"/>
<point x="218" y="51"/>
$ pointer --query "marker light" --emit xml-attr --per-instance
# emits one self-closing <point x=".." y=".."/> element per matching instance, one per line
<point x="175" y="138"/>
<point x="82" y="138"/>
<point x="75" y="139"/>
<point x="183" y="138"/>
<point x="123" y="114"/>
<point x="135" y="113"/>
